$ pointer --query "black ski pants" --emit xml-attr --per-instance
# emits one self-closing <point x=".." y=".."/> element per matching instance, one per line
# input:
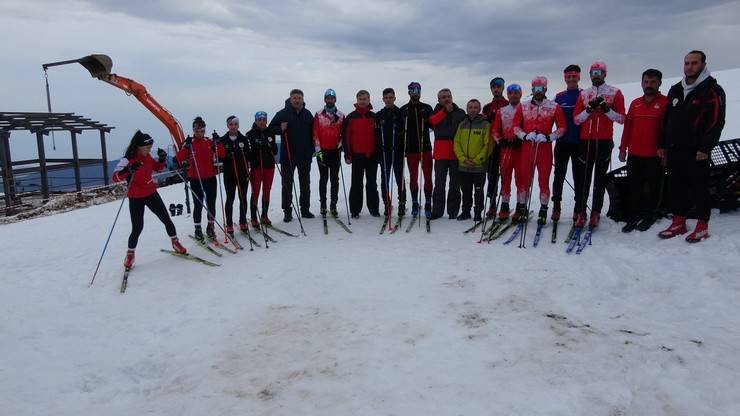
<point x="136" y="209"/>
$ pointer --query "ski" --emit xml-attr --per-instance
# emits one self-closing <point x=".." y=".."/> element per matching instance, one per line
<point x="412" y="223"/>
<point x="575" y="238"/>
<point x="326" y="226"/>
<point x="342" y="224"/>
<point x="218" y="244"/>
<point x="515" y="234"/>
<point x="124" y="281"/>
<point x="254" y="242"/>
<point x="205" y="245"/>
<point x="585" y="241"/>
<point x="267" y="236"/>
<point x="188" y="256"/>
<point x="499" y="230"/>
<point x="279" y="230"/>
<point x="384" y="225"/>
<point x="397" y="225"/>
<point x="429" y="226"/>
<point x="570" y="233"/>
<point x="473" y="228"/>
<point x="554" y="237"/>
<point x="537" y="235"/>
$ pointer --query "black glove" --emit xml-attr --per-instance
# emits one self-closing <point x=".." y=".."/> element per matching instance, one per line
<point x="185" y="164"/>
<point x="597" y="102"/>
<point x="133" y="167"/>
<point x="188" y="142"/>
<point x="216" y="138"/>
<point x="162" y="155"/>
<point x="604" y="106"/>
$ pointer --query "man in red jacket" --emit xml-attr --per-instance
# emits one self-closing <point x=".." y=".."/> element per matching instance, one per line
<point x="640" y="141"/>
<point x="597" y="108"/>
<point x="327" y="126"/>
<point x="360" y="150"/>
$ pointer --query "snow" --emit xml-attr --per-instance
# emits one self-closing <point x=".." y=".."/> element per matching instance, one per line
<point x="362" y="324"/>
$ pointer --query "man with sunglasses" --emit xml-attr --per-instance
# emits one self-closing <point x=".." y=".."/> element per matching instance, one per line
<point x="597" y="108"/>
<point x="509" y="145"/>
<point x="446" y="118"/>
<point x="418" y="147"/>
<point x="566" y="147"/>
<point x="490" y="110"/>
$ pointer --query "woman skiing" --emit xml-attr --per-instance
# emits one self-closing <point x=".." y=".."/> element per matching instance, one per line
<point x="136" y="168"/>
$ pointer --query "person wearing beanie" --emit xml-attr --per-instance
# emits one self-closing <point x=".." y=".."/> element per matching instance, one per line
<point x="692" y="126"/>
<point x="262" y="163"/>
<point x="327" y="128"/>
<point x="198" y="154"/>
<point x="567" y="146"/>
<point x="510" y="146"/>
<point x="361" y="151"/>
<point x="597" y="109"/>
<point x="418" y="147"/>
<point x="136" y="168"/>
<point x="533" y="123"/>
<point x="236" y="173"/>
<point x="493" y="168"/>
<point x="472" y="147"/>
<point x="445" y="120"/>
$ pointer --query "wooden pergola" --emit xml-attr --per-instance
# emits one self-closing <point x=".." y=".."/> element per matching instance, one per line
<point x="42" y="124"/>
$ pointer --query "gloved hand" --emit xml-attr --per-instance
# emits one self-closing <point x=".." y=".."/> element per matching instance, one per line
<point x="133" y="167"/>
<point x="319" y="157"/>
<point x="216" y="138"/>
<point x="188" y="142"/>
<point x="162" y="155"/>
<point x="185" y="164"/>
<point x="604" y="106"/>
<point x="531" y="136"/>
<point x="597" y="102"/>
<point x="540" y="138"/>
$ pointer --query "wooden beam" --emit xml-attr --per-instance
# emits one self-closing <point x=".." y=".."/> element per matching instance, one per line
<point x="104" y="155"/>
<point x="7" y="168"/>
<point x="42" y="165"/>
<point x="76" y="157"/>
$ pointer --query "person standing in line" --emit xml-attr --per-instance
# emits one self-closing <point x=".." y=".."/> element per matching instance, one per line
<point x="418" y="149"/>
<point x="445" y="120"/>
<point x="472" y="146"/>
<point x="566" y="147"/>
<point x="493" y="169"/>
<point x="327" y="129"/>
<point x="361" y="151"/>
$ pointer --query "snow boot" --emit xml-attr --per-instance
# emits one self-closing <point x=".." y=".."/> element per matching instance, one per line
<point x="542" y="215"/>
<point x="594" y="221"/>
<point x="463" y="217"/>
<point x="307" y="214"/>
<point x="178" y="210"/>
<point x="677" y="227"/>
<point x="177" y="246"/>
<point x="128" y="262"/>
<point x="701" y="232"/>
<point x="288" y="216"/>
<point x="630" y="226"/>
<point x="645" y="223"/>
<point x="503" y="215"/>
<point x="555" y="217"/>
<point x="198" y="233"/>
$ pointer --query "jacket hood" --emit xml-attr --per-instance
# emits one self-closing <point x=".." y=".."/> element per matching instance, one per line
<point x="365" y="110"/>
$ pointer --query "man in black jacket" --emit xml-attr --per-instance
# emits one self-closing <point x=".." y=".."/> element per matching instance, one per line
<point x="418" y="147"/>
<point x="295" y="124"/>
<point x="445" y="119"/>
<point x="390" y="135"/>
<point x="693" y="124"/>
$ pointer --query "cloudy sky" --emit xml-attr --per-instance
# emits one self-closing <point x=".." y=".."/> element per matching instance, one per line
<point x="221" y="57"/>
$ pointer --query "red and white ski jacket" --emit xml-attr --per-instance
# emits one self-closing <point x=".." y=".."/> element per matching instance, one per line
<point x="200" y="157"/>
<point x="503" y="123"/>
<point x="599" y="125"/>
<point x="142" y="185"/>
<point x="643" y="126"/>
<point x="534" y="117"/>
<point x="327" y="129"/>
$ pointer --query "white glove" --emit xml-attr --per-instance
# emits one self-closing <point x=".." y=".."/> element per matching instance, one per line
<point x="541" y="138"/>
<point x="531" y="137"/>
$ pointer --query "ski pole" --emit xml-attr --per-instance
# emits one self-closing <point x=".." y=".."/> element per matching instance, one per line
<point x="107" y="240"/>
<point x="384" y="175"/>
<point x="292" y="180"/>
<point x="392" y="171"/>
<point x="261" y="226"/>
<point x="242" y="194"/>
<point x="218" y="184"/>
<point x="344" y="191"/>
<point x="523" y="237"/>
<point x="500" y="194"/>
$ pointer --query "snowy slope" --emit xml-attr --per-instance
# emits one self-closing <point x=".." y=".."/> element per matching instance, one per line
<point x="362" y="324"/>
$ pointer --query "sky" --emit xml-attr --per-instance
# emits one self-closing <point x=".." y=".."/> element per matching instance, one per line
<point x="222" y="57"/>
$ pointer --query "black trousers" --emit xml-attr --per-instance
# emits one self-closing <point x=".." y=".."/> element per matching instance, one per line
<point x="472" y="182"/>
<point x="233" y="186"/>
<point x="493" y="173"/>
<point x="209" y="198"/>
<point x="329" y="171"/>
<point x="443" y="168"/>
<point x="367" y="169"/>
<point x="593" y="162"/>
<point x="397" y="165"/>
<point x="564" y="153"/>
<point x="643" y="175"/>
<point x="136" y="209"/>
<point x="304" y="180"/>
<point x="689" y="180"/>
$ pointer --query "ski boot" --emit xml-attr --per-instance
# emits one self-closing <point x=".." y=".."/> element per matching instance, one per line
<point x="210" y="231"/>
<point x="254" y="223"/>
<point x="542" y="215"/>
<point x="307" y="214"/>
<point x="323" y="212"/>
<point x="288" y="216"/>
<point x="477" y="217"/>
<point x="128" y="262"/>
<point x="594" y="221"/>
<point x="243" y="227"/>
<point x="230" y="230"/>
<point x="428" y="210"/>
<point x="415" y="209"/>
<point x="198" y="233"/>
<point x="630" y="226"/>
<point x="520" y="215"/>
<point x="265" y="220"/>
<point x="555" y="212"/>
<point x="646" y="223"/>
<point x="579" y="219"/>
<point x="700" y="233"/>
<point x="464" y="216"/>
<point x="503" y="215"/>
<point x="401" y="209"/>
<point x="177" y="246"/>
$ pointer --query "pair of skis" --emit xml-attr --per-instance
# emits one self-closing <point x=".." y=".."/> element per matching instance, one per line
<point x="394" y="226"/>
<point x="579" y="240"/>
<point x="414" y="219"/>
<point x="185" y="256"/>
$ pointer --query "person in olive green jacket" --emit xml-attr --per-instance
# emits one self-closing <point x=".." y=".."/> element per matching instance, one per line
<point x="473" y="145"/>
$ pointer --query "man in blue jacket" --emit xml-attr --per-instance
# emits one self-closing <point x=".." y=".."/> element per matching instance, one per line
<point x="295" y="124"/>
<point x="566" y="147"/>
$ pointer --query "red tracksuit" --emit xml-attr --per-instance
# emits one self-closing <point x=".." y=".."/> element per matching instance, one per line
<point x="534" y="117"/>
<point x="200" y="157"/>
<point x="643" y="125"/>
<point x="142" y="185"/>
<point x="503" y="132"/>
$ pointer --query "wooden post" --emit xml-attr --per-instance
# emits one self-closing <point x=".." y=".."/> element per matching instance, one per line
<point x="8" y="185"/>
<point x="105" y="157"/>
<point x="76" y="161"/>
<point x="42" y="165"/>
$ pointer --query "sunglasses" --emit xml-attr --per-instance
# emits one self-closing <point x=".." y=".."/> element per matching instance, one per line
<point x="538" y="88"/>
<point x="597" y="73"/>
<point x="497" y="83"/>
<point x="415" y="90"/>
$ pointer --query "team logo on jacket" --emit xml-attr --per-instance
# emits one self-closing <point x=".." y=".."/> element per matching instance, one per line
<point x="675" y="102"/>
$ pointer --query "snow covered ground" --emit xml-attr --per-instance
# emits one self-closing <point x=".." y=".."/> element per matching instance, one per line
<point x="362" y="324"/>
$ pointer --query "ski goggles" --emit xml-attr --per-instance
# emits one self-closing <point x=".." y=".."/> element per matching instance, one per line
<point x="260" y="114"/>
<point x="330" y="93"/>
<point x="597" y="72"/>
<point x="415" y="87"/>
<point x="497" y="82"/>
<point x="514" y="88"/>
<point x="538" y="88"/>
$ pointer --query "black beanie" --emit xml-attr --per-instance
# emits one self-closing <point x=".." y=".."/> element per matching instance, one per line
<point x="142" y="139"/>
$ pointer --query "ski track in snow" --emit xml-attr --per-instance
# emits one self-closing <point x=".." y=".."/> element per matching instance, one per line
<point x="367" y="324"/>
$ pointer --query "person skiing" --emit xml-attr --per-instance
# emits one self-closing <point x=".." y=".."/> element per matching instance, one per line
<point x="236" y="173"/>
<point x="296" y="152"/>
<point x="136" y="167"/>
<point x="197" y="153"/>
<point x="493" y="169"/>
<point x="262" y="162"/>
<point x="445" y="120"/>
<point x="597" y="109"/>
<point x="391" y="136"/>
<point x="418" y="148"/>
<point x="567" y="146"/>
<point x="509" y="147"/>
<point x="360" y="151"/>
<point x="693" y="125"/>
<point x="472" y="146"/>
<point x="533" y="122"/>
<point x="640" y="141"/>
<point x="327" y="128"/>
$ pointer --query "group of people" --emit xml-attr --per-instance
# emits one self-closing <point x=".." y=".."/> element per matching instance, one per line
<point x="505" y="140"/>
